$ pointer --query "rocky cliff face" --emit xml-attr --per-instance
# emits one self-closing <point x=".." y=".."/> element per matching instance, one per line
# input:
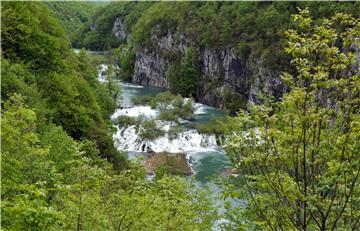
<point x="119" y="30"/>
<point x="226" y="76"/>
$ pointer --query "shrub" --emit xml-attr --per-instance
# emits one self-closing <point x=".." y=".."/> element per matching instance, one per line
<point x="142" y="100"/>
<point x="124" y="120"/>
<point x="149" y="130"/>
<point x="168" y="115"/>
<point x="162" y="100"/>
<point x="215" y="126"/>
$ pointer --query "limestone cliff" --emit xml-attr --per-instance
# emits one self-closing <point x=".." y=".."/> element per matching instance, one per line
<point x="226" y="76"/>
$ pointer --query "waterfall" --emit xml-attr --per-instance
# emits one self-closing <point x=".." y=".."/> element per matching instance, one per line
<point x="145" y="111"/>
<point x="127" y="139"/>
<point x="190" y="140"/>
<point x="102" y="69"/>
<point x="102" y="72"/>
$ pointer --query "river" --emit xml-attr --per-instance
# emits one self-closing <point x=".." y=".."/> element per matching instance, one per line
<point x="206" y="158"/>
<point x="204" y="155"/>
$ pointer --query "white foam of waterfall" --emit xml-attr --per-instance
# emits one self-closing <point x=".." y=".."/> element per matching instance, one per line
<point x="131" y="85"/>
<point x="126" y="139"/>
<point x="102" y="72"/>
<point x="102" y="68"/>
<point x="200" y="109"/>
<point x="148" y="112"/>
<point x="145" y="111"/>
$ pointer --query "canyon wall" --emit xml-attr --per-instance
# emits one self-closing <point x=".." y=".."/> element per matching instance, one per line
<point x="226" y="76"/>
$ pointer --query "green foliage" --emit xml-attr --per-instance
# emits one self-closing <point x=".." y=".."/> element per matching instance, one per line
<point x="157" y="19"/>
<point x="52" y="182"/>
<point x="30" y="35"/>
<point x="226" y="24"/>
<point x="184" y="79"/>
<point x="162" y="100"/>
<point x="55" y="126"/>
<point x="126" y="58"/>
<point x="20" y="144"/>
<point x="142" y="100"/>
<point x="232" y="100"/>
<point x="126" y="120"/>
<point x="171" y="106"/>
<point x="72" y="15"/>
<point x="102" y="92"/>
<point x="25" y="166"/>
<point x="183" y="109"/>
<point x="30" y="211"/>
<point x="59" y="86"/>
<point x="102" y="37"/>
<point x="254" y="29"/>
<point x="113" y="87"/>
<point x="190" y="73"/>
<point x="298" y="158"/>
<point x="61" y="146"/>
<point x="215" y="126"/>
<point x="148" y="130"/>
<point x="168" y="115"/>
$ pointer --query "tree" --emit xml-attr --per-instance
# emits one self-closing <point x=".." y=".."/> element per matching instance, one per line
<point x="27" y="175"/>
<point x="298" y="159"/>
<point x="190" y="73"/>
<point x="167" y="203"/>
<point x="184" y="77"/>
<point x="113" y="87"/>
<point x="126" y="59"/>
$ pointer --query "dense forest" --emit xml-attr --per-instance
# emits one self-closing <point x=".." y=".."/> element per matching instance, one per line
<point x="294" y="148"/>
<point x="237" y="48"/>
<point x="56" y="133"/>
<point x="71" y="15"/>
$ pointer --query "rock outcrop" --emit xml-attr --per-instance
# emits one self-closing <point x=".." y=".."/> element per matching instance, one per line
<point x="225" y="75"/>
<point x="119" y="30"/>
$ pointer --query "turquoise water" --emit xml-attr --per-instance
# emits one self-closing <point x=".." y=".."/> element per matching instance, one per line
<point x="206" y="164"/>
<point x="131" y="91"/>
<point x="207" y="114"/>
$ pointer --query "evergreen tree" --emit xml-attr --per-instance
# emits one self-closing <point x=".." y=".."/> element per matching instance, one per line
<point x="190" y="73"/>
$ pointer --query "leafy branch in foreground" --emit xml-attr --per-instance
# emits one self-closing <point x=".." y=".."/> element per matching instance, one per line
<point x="299" y="158"/>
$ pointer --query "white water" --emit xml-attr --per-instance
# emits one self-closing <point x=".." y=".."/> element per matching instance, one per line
<point x="148" y="112"/>
<point x="204" y="156"/>
<point x="189" y="141"/>
<point x="195" y="145"/>
<point x="145" y="111"/>
<point x="127" y="139"/>
<point x="102" y="69"/>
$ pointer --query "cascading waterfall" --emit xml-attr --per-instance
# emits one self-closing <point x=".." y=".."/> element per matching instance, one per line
<point x="102" y="69"/>
<point x="203" y="154"/>
<point x="126" y="138"/>
<point x="102" y="72"/>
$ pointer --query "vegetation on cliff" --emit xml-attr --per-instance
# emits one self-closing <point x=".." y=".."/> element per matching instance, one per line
<point x="72" y="15"/>
<point x="253" y="30"/>
<point x="97" y="33"/>
<point x="56" y="133"/>
<point x="296" y="160"/>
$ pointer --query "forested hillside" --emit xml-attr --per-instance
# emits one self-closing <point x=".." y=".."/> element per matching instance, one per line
<point x="72" y="15"/>
<point x="60" y="169"/>
<point x="238" y="47"/>
<point x="288" y="160"/>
